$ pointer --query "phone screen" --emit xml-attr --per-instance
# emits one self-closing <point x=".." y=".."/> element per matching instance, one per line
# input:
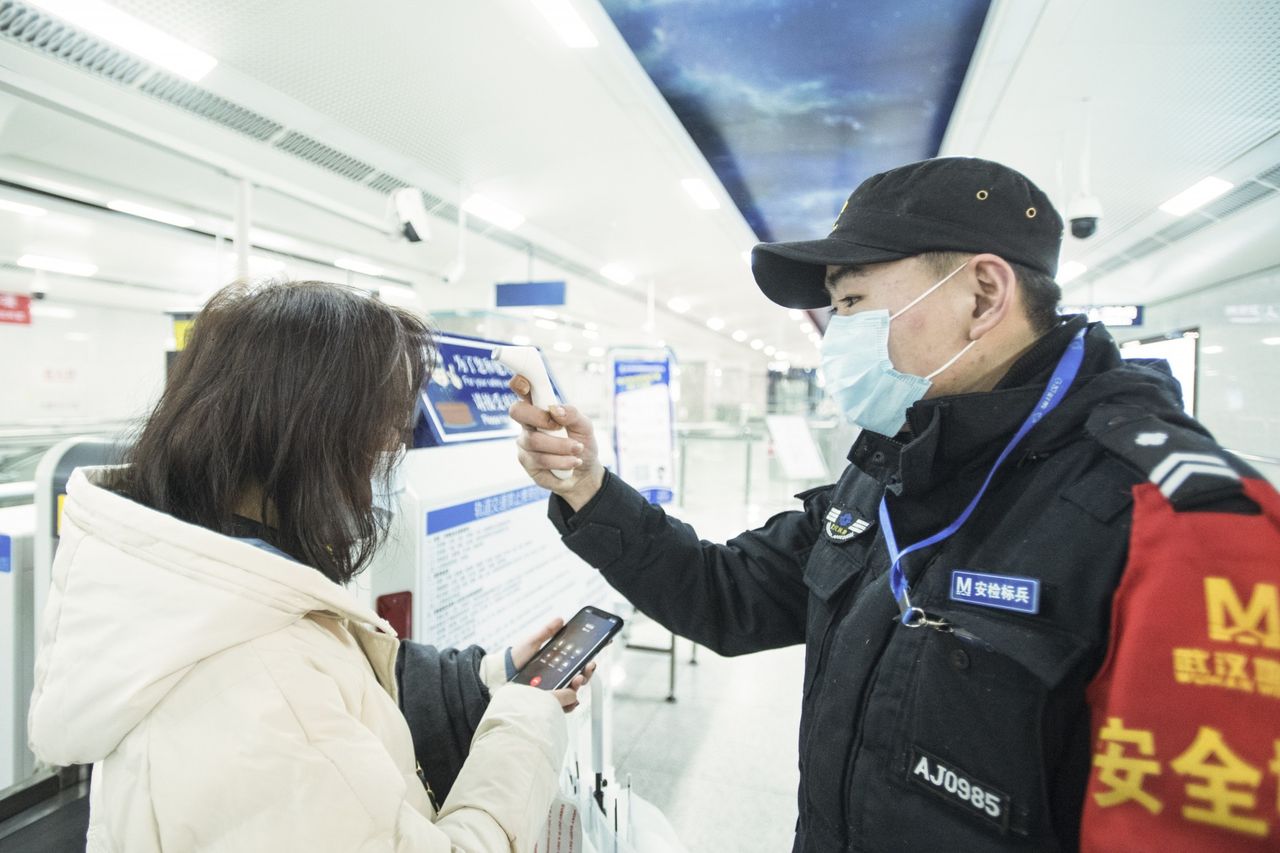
<point x="565" y="655"/>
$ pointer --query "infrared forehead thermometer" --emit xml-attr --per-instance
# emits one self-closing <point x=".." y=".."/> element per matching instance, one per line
<point x="527" y="362"/>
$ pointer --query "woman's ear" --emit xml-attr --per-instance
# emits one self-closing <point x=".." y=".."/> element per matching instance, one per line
<point x="994" y="289"/>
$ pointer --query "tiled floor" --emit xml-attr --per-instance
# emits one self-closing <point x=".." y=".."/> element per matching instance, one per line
<point x="720" y="762"/>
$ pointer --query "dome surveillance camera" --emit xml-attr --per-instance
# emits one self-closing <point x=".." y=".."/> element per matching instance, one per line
<point x="1084" y="211"/>
<point x="411" y="214"/>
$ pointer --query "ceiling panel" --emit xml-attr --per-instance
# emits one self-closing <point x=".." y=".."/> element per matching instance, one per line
<point x="484" y="96"/>
<point x="1130" y="102"/>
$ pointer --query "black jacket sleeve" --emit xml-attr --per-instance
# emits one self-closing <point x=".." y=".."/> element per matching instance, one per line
<point x="744" y="596"/>
<point x="443" y="698"/>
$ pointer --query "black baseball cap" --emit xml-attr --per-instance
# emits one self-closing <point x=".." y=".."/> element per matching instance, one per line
<point x="948" y="204"/>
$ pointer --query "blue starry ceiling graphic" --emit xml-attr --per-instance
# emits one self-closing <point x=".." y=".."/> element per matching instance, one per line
<point x="794" y="102"/>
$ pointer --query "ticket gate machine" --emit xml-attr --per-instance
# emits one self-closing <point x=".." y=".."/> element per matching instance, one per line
<point x="41" y="808"/>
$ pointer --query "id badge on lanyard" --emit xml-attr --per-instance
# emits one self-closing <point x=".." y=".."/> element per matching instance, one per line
<point x="1064" y="373"/>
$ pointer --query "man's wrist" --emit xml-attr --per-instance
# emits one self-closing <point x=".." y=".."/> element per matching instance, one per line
<point x="582" y="493"/>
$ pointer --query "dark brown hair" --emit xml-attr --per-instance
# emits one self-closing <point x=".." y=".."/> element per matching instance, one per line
<point x="293" y="389"/>
<point x="1040" y="292"/>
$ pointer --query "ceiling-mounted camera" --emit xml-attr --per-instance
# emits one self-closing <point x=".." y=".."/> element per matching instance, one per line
<point x="411" y="214"/>
<point x="1084" y="211"/>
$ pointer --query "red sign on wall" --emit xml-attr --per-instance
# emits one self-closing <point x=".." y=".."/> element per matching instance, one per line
<point x="15" y="308"/>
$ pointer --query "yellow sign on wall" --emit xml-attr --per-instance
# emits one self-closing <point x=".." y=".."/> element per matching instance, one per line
<point x="181" y="326"/>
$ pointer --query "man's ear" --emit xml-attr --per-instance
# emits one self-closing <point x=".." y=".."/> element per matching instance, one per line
<point x="995" y="288"/>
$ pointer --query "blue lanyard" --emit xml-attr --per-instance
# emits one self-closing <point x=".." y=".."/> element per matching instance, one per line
<point x="1063" y="375"/>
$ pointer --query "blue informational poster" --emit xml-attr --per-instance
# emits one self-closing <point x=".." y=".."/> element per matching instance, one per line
<point x="1108" y="315"/>
<point x="6" y="553"/>
<point x="445" y="518"/>
<point x="466" y="398"/>
<point x="643" y="424"/>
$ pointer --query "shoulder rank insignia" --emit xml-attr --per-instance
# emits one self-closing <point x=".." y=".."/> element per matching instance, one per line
<point x="1188" y="467"/>
<point x="843" y="525"/>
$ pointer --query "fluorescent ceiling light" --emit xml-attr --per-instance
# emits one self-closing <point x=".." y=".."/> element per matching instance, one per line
<point x="782" y="356"/>
<point x="770" y="350"/>
<point x="521" y="340"/>
<point x="590" y="334"/>
<point x="357" y="265"/>
<point x="678" y="305"/>
<point x="740" y="336"/>
<point x="715" y="324"/>
<point x="131" y="34"/>
<point x="1071" y="271"/>
<point x="1271" y="342"/>
<point x="41" y="262"/>
<point x="22" y="209"/>
<point x="258" y="265"/>
<point x="596" y="352"/>
<point x="756" y="343"/>
<point x="701" y="194"/>
<point x="491" y="211"/>
<point x="52" y="312"/>
<point x="165" y="216"/>
<point x="618" y="273"/>
<point x="566" y="22"/>
<point x="59" y="188"/>
<point x="1199" y="194"/>
<point x="806" y="328"/>
<point x="562" y="346"/>
<point x="394" y="294"/>
<point x="797" y="315"/>
<point x="1211" y="350"/>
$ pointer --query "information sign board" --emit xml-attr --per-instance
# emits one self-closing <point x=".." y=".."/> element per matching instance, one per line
<point x="643" y="423"/>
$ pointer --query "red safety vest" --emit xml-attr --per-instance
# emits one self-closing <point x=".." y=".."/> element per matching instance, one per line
<point x="1186" y="708"/>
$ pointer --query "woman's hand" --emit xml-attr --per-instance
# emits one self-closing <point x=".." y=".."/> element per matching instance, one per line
<point x="523" y="652"/>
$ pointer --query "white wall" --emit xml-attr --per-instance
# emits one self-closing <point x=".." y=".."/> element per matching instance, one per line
<point x="79" y="362"/>
<point x="1238" y="380"/>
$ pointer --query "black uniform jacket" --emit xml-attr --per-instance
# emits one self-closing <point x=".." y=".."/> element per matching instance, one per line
<point x="912" y="738"/>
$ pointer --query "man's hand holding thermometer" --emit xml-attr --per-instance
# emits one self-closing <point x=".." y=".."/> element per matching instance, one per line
<point x="558" y="445"/>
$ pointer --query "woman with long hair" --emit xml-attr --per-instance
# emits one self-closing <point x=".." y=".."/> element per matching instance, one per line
<point x="198" y="647"/>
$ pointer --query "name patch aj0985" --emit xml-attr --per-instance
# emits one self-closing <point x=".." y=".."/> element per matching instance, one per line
<point x="959" y="788"/>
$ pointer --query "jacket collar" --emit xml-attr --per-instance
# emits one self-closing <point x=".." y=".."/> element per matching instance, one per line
<point x="960" y="434"/>
<point x="286" y="584"/>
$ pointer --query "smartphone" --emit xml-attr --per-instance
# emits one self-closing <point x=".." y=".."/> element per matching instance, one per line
<point x="570" y="650"/>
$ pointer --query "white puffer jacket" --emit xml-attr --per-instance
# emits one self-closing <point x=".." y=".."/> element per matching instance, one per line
<point x="233" y="700"/>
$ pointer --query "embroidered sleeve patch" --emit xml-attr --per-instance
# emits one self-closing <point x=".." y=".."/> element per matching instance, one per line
<point x="842" y="525"/>
<point x="1006" y="592"/>
<point x="957" y="787"/>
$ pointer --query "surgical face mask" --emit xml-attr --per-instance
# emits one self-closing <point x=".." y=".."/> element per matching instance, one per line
<point x="859" y="375"/>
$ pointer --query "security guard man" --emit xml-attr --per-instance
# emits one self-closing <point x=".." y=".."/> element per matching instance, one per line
<point x="956" y="588"/>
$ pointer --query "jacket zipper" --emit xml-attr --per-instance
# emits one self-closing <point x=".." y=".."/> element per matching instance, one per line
<point x="846" y="796"/>
<point x="431" y="795"/>
<point x="839" y="612"/>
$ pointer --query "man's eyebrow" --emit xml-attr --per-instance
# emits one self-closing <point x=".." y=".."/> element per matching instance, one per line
<point x="833" y="277"/>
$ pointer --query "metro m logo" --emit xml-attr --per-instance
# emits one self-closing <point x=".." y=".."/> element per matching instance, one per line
<point x="1257" y="624"/>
